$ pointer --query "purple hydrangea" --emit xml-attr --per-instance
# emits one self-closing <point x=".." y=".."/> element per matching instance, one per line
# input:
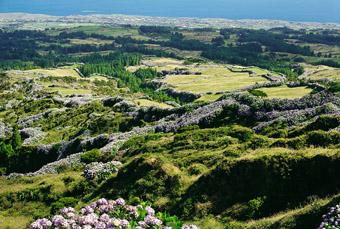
<point x="331" y="219"/>
<point x="120" y="202"/>
<point x="104" y="214"/>
<point x="151" y="220"/>
<point x="124" y="223"/>
<point x="150" y="210"/>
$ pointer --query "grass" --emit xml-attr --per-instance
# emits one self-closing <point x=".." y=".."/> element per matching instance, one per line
<point x="320" y="72"/>
<point x="150" y="103"/>
<point x="14" y="222"/>
<point x="208" y="98"/>
<point x="284" y="92"/>
<point x="159" y="64"/>
<point x="21" y="184"/>
<point x="70" y="91"/>
<point x="204" y="36"/>
<point x="58" y="72"/>
<point x="89" y="41"/>
<point x="108" y="31"/>
<point x="214" y="78"/>
<point x="21" y="213"/>
<point x="289" y="216"/>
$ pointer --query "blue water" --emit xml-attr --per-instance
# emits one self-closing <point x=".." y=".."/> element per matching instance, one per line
<point x="292" y="10"/>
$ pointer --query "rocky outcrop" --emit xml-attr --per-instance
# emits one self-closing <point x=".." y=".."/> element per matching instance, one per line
<point x="76" y="100"/>
<point x="31" y="135"/>
<point x="4" y="130"/>
<point x="295" y="117"/>
<point x="26" y="122"/>
<point x="72" y="161"/>
<point x="116" y="139"/>
<point x="183" y="96"/>
<point x="179" y="72"/>
<point x="202" y="114"/>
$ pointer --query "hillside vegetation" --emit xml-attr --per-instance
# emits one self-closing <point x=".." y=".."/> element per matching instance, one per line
<point x="218" y="128"/>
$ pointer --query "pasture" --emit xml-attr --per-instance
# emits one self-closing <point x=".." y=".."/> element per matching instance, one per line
<point x="214" y="78"/>
<point x="317" y="72"/>
<point x="284" y="92"/>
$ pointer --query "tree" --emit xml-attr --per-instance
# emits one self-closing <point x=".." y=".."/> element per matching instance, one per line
<point x="6" y="151"/>
<point x="16" y="138"/>
<point x="218" y="41"/>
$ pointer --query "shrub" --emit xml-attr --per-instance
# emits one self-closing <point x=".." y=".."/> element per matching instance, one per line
<point x="63" y="202"/>
<point x="334" y="87"/>
<point x="322" y="138"/>
<point x="331" y="219"/>
<point x="197" y="169"/>
<point x="258" y="93"/>
<point x="111" y="214"/>
<point x="254" y="207"/>
<point x="100" y="171"/>
<point x="242" y="133"/>
<point x="91" y="156"/>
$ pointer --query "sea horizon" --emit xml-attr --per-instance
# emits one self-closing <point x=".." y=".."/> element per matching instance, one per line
<point x="293" y="11"/>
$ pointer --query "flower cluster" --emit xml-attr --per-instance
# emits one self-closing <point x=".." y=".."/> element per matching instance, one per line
<point x="106" y="214"/>
<point x="331" y="219"/>
<point x="99" y="170"/>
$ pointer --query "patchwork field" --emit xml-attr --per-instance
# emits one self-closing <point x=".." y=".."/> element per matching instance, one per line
<point x="159" y="64"/>
<point x="210" y="78"/>
<point x="54" y="72"/>
<point x="214" y="78"/>
<point x="89" y="41"/>
<point x="320" y="72"/>
<point x="284" y="92"/>
<point x="58" y="72"/>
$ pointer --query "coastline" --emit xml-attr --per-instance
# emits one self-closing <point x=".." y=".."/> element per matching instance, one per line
<point x="181" y="22"/>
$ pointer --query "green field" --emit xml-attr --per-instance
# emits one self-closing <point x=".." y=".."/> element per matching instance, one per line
<point x="208" y="98"/>
<point x="21" y="213"/>
<point x="150" y="103"/>
<point x="284" y="92"/>
<point x="109" y="31"/>
<point x="317" y="72"/>
<point x="214" y="78"/>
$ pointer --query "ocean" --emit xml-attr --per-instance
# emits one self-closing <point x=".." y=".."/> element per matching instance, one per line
<point x="290" y="10"/>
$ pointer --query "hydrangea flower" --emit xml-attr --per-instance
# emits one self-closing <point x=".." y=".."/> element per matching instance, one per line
<point x="100" y="170"/>
<point x="191" y="226"/>
<point x="150" y="210"/>
<point x="105" y="214"/>
<point x="331" y="219"/>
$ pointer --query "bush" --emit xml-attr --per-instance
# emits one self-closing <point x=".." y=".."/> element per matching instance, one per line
<point x="91" y="156"/>
<point x="242" y="133"/>
<point x="322" y="138"/>
<point x="334" y="87"/>
<point x="63" y="202"/>
<point x="258" y="93"/>
<point x="254" y="207"/>
<point x="197" y="169"/>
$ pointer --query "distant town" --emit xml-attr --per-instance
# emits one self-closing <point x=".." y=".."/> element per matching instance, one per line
<point x="25" y="21"/>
